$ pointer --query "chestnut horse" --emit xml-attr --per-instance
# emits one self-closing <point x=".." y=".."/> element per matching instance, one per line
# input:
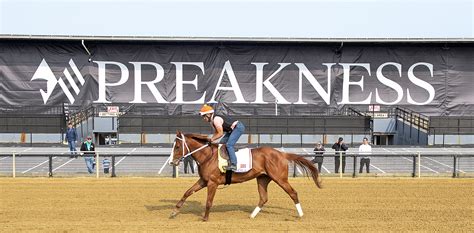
<point x="268" y="165"/>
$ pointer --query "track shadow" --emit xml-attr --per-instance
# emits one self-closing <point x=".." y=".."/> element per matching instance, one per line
<point x="196" y="208"/>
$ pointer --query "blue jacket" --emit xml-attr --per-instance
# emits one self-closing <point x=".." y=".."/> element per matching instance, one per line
<point x="71" y="135"/>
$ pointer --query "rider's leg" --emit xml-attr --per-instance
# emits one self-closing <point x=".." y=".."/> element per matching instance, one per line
<point x="233" y="138"/>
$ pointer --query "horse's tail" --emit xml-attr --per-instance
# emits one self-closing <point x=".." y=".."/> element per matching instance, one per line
<point x="307" y="167"/>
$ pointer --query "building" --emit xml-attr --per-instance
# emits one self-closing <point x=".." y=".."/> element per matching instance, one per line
<point x="286" y="91"/>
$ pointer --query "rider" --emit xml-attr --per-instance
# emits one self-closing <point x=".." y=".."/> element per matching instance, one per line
<point x="223" y="125"/>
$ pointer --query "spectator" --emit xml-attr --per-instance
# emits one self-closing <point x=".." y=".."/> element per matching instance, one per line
<point x="106" y="165"/>
<point x="88" y="148"/>
<point x="364" y="150"/>
<point x="318" y="155"/>
<point x="188" y="161"/>
<point x="340" y="147"/>
<point x="71" y="138"/>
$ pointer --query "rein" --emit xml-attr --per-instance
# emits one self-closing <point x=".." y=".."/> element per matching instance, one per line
<point x="183" y="139"/>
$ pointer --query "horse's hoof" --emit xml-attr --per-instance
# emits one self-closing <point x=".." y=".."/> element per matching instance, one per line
<point x="204" y="219"/>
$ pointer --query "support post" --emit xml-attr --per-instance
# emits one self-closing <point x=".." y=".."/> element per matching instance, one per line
<point x="294" y="169"/>
<point x="340" y="164"/>
<point x="419" y="165"/>
<point x="175" y="172"/>
<point x="50" y="159"/>
<point x="454" y="166"/>
<point x="113" y="166"/>
<point x="354" y="167"/>
<point x="97" y="165"/>
<point x="14" y="166"/>
<point x="414" y="166"/>
<point x="276" y="107"/>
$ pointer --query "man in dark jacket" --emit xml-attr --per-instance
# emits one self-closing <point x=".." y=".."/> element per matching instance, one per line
<point x="188" y="161"/>
<point x="340" y="147"/>
<point x="88" y="148"/>
<point x="318" y="155"/>
<point x="71" y="138"/>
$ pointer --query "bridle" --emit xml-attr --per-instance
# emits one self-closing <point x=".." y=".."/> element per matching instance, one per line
<point x="183" y="139"/>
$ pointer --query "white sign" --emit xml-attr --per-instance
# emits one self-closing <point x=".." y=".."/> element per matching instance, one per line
<point x="374" y="108"/>
<point x="108" y="114"/>
<point x="113" y="109"/>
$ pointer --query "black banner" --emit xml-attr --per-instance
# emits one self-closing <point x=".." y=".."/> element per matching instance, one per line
<point x="432" y="78"/>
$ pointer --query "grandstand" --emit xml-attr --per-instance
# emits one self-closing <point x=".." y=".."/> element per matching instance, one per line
<point x="278" y="112"/>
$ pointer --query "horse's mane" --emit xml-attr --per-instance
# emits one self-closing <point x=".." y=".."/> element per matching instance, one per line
<point x="202" y="138"/>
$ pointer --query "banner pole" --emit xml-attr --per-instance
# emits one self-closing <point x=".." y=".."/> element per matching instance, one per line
<point x="276" y="107"/>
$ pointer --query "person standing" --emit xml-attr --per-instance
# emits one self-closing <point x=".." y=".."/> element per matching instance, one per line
<point x="340" y="147"/>
<point x="364" y="151"/>
<point x="106" y="165"/>
<point x="188" y="161"/>
<point x="230" y="129"/>
<point x="71" y="138"/>
<point x="88" y="148"/>
<point x="318" y="155"/>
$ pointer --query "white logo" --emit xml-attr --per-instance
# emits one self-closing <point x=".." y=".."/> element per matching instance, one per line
<point x="44" y="72"/>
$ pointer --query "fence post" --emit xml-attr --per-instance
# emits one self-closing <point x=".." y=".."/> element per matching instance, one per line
<point x="97" y="164"/>
<point x="113" y="166"/>
<point x="340" y="164"/>
<point x="175" y="172"/>
<point x="50" y="173"/>
<point x="294" y="169"/>
<point x="354" y="167"/>
<point x="14" y="166"/>
<point x="414" y="166"/>
<point x="454" y="166"/>
<point x="419" y="165"/>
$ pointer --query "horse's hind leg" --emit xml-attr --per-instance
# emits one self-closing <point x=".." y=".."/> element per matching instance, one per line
<point x="285" y="185"/>
<point x="262" y="182"/>
<point x="196" y="187"/>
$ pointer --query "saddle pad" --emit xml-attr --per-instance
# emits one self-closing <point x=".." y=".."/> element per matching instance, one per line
<point x="244" y="161"/>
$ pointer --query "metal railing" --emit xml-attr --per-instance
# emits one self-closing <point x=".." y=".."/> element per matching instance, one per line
<point x="413" y="118"/>
<point x="414" y="155"/>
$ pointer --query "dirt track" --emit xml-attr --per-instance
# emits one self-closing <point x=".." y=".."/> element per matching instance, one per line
<point x="144" y="204"/>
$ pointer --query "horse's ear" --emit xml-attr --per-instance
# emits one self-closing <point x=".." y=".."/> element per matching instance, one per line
<point x="178" y="133"/>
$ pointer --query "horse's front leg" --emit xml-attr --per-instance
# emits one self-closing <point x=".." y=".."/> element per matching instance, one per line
<point x="196" y="187"/>
<point x="211" y="192"/>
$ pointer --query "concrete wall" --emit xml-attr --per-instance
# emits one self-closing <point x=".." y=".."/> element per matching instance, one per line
<point x="30" y="138"/>
<point x="105" y="124"/>
<point x="407" y="135"/>
<point x="386" y="125"/>
<point x="447" y="139"/>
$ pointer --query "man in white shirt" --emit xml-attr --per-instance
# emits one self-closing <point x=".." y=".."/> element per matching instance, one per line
<point x="364" y="151"/>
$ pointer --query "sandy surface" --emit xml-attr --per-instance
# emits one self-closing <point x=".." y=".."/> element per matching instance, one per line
<point x="144" y="204"/>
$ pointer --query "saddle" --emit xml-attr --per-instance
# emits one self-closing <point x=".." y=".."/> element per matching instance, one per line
<point x="224" y="159"/>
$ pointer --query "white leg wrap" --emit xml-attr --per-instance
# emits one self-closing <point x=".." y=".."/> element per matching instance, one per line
<point x="255" y="212"/>
<point x="300" y="211"/>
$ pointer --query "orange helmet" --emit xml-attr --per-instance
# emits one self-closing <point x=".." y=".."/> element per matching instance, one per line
<point x="206" y="109"/>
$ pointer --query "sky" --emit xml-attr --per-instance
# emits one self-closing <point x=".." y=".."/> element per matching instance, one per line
<point x="241" y="18"/>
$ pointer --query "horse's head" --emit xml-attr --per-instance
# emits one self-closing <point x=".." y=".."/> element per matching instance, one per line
<point x="182" y="144"/>
<point x="180" y="148"/>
